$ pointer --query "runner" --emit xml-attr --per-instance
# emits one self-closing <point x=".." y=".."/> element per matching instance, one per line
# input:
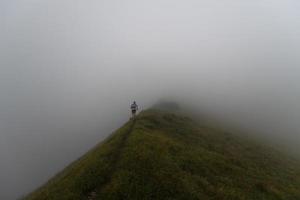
<point x="134" y="108"/>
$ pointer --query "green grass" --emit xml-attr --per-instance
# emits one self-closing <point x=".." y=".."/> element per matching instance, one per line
<point x="162" y="155"/>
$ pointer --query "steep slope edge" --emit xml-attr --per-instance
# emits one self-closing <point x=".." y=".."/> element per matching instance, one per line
<point x="94" y="169"/>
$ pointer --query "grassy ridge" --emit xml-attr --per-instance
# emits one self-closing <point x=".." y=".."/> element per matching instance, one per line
<point x="161" y="155"/>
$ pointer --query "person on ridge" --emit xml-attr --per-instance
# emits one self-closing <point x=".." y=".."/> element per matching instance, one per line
<point x="134" y="108"/>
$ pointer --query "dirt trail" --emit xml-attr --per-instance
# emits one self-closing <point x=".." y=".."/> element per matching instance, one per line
<point x="114" y="162"/>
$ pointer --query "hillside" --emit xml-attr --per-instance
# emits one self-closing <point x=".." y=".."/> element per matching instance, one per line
<point x="162" y="155"/>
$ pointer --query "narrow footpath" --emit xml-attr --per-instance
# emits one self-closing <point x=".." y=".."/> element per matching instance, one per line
<point x="114" y="162"/>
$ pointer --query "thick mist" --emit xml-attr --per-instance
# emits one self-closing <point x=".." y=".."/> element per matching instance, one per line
<point x="70" y="69"/>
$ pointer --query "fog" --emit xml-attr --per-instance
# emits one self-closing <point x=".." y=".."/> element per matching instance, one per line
<point x="70" y="69"/>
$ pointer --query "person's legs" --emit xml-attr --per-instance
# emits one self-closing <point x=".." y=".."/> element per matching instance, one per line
<point x="133" y="113"/>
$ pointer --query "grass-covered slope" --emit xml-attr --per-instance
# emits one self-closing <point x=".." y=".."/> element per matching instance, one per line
<point x="161" y="155"/>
